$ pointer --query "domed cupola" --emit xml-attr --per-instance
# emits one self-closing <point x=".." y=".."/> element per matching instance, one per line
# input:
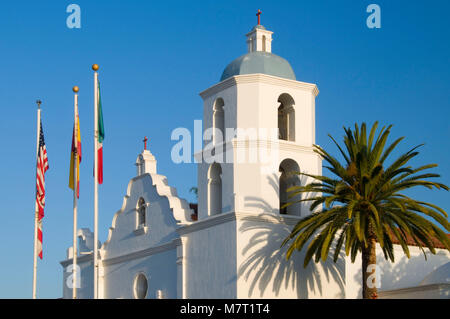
<point x="259" y="58"/>
<point x="259" y="62"/>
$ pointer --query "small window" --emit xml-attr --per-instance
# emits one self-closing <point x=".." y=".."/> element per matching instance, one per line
<point x="283" y="193"/>
<point x="140" y="286"/>
<point x="288" y="178"/>
<point x="141" y="213"/>
<point x="286" y="118"/>
<point x="218" y="121"/>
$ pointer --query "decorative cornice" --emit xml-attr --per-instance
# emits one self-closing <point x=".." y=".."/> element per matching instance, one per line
<point x="269" y="144"/>
<point x="269" y="218"/>
<point x="281" y="144"/>
<point x="206" y="223"/>
<point x="80" y="259"/>
<point x="142" y="253"/>
<point x="261" y="78"/>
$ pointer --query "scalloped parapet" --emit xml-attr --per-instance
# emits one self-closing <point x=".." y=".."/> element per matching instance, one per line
<point x="180" y="207"/>
<point x="166" y="212"/>
<point x="86" y="241"/>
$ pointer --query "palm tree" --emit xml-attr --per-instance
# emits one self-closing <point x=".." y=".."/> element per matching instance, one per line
<point x="363" y="204"/>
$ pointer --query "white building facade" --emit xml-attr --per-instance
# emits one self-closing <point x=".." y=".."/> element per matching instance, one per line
<point x="261" y="123"/>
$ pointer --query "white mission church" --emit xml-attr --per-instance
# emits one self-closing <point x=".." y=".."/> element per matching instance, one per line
<point x="159" y="246"/>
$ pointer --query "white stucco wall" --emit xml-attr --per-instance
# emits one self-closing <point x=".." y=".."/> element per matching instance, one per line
<point x="85" y="278"/>
<point x="403" y="273"/>
<point x="209" y="258"/>
<point x="264" y="272"/>
<point x="159" y="269"/>
<point x="238" y="255"/>
<point x="228" y="95"/>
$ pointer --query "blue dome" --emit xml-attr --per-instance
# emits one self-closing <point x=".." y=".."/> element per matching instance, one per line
<point x="259" y="62"/>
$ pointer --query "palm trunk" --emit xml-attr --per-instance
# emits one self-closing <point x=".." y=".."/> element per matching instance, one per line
<point x="369" y="258"/>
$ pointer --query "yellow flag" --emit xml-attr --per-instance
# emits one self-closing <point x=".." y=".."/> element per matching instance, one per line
<point x="76" y="149"/>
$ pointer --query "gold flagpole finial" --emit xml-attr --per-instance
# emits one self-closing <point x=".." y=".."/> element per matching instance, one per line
<point x="95" y="67"/>
<point x="75" y="89"/>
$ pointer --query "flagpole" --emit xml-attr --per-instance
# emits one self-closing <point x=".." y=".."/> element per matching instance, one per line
<point x="38" y="126"/>
<point x="75" y="191"/>
<point x="95" y="67"/>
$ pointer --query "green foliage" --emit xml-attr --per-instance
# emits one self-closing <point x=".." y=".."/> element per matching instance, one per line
<point x="364" y="200"/>
<point x="194" y="190"/>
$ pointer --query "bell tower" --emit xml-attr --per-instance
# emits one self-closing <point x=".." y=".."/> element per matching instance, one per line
<point x="260" y="125"/>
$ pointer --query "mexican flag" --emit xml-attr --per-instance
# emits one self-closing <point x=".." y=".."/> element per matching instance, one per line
<point x="101" y="137"/>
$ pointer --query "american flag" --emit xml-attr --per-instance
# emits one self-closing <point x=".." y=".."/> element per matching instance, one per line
<point x="41" y="168"/>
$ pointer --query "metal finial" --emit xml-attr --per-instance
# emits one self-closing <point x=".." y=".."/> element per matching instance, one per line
<point x="38" y="102"/>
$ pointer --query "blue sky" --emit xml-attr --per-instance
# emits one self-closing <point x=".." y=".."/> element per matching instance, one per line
<point x="155" y="57"/>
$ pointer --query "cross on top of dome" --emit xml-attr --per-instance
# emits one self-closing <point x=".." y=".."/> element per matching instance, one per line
<point x="259" y="16"/>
